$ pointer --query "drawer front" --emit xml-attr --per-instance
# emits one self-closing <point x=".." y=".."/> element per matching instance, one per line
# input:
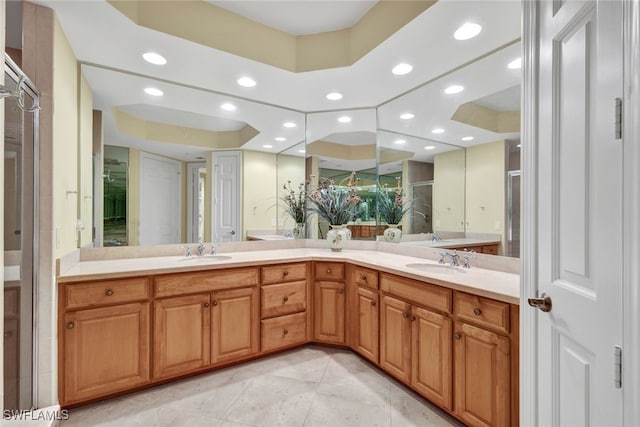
<point x="421" y="293"/>
<point x="284" y="273"/>
<point x="283" y="298"/>
<point x="206" y="281"/>
<point x="329" y="270"/>
<point x="105" y="292"/>
<point x="284" y="331"/>
<point x="482" y="311"/>
<point x="365" y="277"/>
<point x="490" y="249"/>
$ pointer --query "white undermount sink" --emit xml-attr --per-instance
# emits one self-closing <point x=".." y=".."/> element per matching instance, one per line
<point x="436" y="268"/>
<point x="204" y="258"/>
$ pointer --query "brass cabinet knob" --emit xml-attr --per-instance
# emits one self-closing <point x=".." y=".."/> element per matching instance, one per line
<point x="373" y="303"/>
<point x="206" y="305"/>
<point x="405" y="315"/>
<point x="340" y="290"/>
<point x="457" y="336"/>
<point x="286" y="298"/>
<point x="363" y="277"/>
<point x="215" y="302"/>
<point x="109" y="292"/>
<point x="71" y="325"/>
<point x="328" y="271"/>
<point x="477" y="311"/>
<point x="286" y="273"/>
<point x="285" y="332"/>
<point x="413" y="317"/>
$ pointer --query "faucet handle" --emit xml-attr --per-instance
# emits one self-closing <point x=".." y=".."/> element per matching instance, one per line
<point x="443" y="256"/>
<point x="187" y="249"/>
<point x="214" y="245"/>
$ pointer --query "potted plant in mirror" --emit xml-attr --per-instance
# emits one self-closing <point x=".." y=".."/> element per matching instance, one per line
<point x="295" y="207"/>
<point x="336" y="204"/>
<point x="392" y="207"/>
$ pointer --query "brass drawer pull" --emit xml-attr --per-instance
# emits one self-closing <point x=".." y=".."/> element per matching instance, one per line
<point x="328" y="271"/>
<point x="206" y="305"/>
<point x="373" y="303"/>
<point x="286" y="273"/>
<point x="285" y="332"/>
<point x="109" y="292"/>
<point x="477" y="311"/>
<point x="363" y="277"/>
<point x="215" y="302"/>
<point x="457" y="336"/>
<point x="70" y="325"/>
<point x="340" y="290"/>
<point x="286" y="298"/>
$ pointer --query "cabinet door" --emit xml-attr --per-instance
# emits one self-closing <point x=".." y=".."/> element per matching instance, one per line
<point x="366" y="334"/>
<point x="482" y="372"/>
<point x="395" y="338"/>
<point x="329" y="303"/>
<point x="181" y="335"/>
<point x="105" y="350"/>
<point x="235" y="327"/>
<point x="431" y="356"/>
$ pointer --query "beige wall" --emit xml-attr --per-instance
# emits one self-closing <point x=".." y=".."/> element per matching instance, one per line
<point x="485" y="188"/>
<point x="289" y="168"/>
<point x="259" y="198"/>
<point x="449" y="191"/>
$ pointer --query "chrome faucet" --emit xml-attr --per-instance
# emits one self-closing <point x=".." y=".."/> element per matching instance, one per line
<point x="214" y="246"/>
<point x="201" y="248"/>
<point x="455" y="259"/>
<point x="466" y="257"/>
<point x="435" y="237"/>
<point x="187" y="249"/>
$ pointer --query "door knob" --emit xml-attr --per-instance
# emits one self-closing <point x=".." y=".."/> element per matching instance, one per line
<point x="233" y="232"/>
<point x="543" y="303"/>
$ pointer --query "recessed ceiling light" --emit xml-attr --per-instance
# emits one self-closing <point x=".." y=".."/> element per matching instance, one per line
<point x="267" y="146"/>
<point x="246" y="82"/>
<point x="407" y="116"/>
<point x="334" y="96"/>
<point x="153" y="91"/>
<point x="454" y="89"/>
<point x="154" y="58"/>
<point x="227" y="106"/>
<point x="429" y="147"/>
<point x="302" y="151"/>
<point x="467" y="138"/>
<point x="400" y="141"/>
<point x="344" y="119"/>
<point x="516" y="64"/>
<point x="467" y="31"/>
<point x="438" y="130"/>
<point x="402" y="69"/>
<point x="280" y="139"/>
<point x="289" y="124"/>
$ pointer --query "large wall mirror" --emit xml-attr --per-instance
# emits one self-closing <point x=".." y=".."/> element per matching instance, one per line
<point x="177" y="164"/>
<point x="340" y="143"/>
<point x="455" y="143"/>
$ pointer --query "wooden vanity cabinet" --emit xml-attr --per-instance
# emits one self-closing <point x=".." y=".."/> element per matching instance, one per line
<point x="284" y="301"/>
<point x="329" y="302"/>
<point x="362" y="330"/>
<point x="104" y="348"/>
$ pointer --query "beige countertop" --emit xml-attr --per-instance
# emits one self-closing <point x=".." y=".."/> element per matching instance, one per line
<point x="451" y="243"/>
<point x="489" y="283"/>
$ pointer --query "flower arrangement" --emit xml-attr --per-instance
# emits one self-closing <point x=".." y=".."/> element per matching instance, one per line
<point x="392" y="207"/>
<point x="333" y="203"/>
<point x="295" y="202"/>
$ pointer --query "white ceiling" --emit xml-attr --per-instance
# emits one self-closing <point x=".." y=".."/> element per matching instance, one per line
<point x="506" y="100"/>
<point x="197" y="79"/>
<point x="300" y="17"/>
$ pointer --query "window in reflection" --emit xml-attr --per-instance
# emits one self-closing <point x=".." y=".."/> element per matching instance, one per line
<point x="116" y="160"/>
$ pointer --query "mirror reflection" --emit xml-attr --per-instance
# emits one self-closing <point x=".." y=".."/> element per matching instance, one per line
<point x="455" y="144"/>
<point x="340" y="143"/>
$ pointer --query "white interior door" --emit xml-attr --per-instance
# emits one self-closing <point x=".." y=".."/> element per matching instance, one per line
<point x="579" y="213"/>
<point x="226" y="203"/>
<point x="160" y="200"/>
<point x="195" y="202"/>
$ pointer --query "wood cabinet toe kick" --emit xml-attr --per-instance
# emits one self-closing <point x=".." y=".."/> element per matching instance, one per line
<point x="456" y="349"/>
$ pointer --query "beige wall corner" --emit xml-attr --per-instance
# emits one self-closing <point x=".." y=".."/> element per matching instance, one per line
<point x="449" y="191"/>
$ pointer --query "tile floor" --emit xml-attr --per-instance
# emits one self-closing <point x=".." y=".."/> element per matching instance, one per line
<point x="310" y="386"/>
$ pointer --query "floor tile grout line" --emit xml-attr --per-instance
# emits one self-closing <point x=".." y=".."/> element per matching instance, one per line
<point x="226" y="412"/>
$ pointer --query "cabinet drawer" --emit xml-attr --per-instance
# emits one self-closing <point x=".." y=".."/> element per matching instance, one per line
<point x="490" y="249"/>
<point x="365" y="277"/>
<point x="284" y="298"/>
<point x="329" y="270"/>
<point x="421" y="293"/>
<point x="284" y="331"/>
<point x="105" y="292"/>
<point x="284" y="273"/>
<point x="482" y="311"/>
<point x="207" y="281"/>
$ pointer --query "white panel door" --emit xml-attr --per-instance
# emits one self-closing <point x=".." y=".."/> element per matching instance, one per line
<point x="579" y="213"/>
<point x="227" y="187"/>
<point x="160" y="200"/>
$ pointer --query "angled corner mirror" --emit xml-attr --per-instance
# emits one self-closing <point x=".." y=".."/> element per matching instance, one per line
<point x="455" y="144"/>
<point x="340" y="143"/>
